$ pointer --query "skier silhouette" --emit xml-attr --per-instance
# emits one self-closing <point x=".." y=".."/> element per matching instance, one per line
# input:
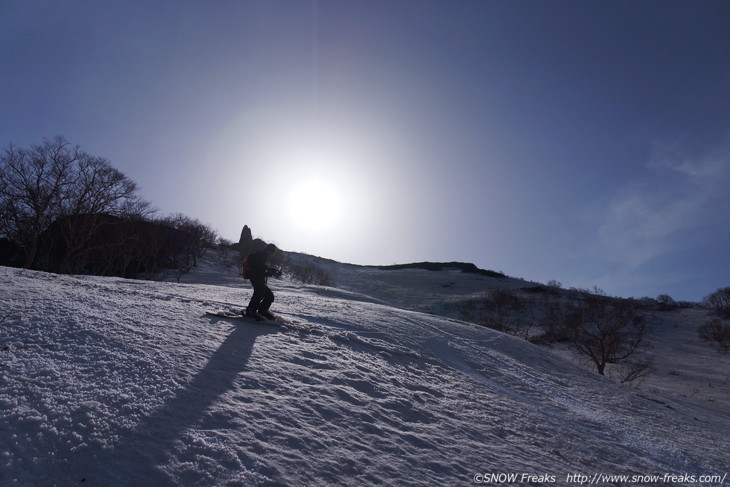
<point x="257" y="271"/>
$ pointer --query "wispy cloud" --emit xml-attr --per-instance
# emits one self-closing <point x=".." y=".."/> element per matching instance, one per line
<point x="679" y="192"/>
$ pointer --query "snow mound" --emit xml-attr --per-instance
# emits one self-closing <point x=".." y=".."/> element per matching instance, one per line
<point x="115" y="382"/>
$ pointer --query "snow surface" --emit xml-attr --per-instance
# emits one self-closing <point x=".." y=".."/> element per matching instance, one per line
<point x="108" y="381"/>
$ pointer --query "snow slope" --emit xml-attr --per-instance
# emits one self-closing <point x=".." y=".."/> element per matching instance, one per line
<point x="684" y="366"/>
<point x="108" y="381"/>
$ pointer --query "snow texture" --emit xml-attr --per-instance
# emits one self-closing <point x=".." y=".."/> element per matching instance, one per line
<point x="108" y="381"/>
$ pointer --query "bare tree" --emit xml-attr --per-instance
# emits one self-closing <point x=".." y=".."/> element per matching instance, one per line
<point x="666" y="302"/>
<point x="194" y="238"/>
<point x="502" y="310"/>
<point x="557" y="321"/>
<point x="720" y="301"/>
<point x="607" y="330"/>
<point x="55" y="183"/>
<point x="32" y="184"/>
<point x="98" y="191"/>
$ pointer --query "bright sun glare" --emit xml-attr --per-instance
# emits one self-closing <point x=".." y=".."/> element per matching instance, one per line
<point x="314" y="205"/>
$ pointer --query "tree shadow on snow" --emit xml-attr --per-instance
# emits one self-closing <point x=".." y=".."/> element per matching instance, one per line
<point x="148" y="445"/>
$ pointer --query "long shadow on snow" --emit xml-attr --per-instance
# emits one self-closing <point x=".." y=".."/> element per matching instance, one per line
<point x="148" y="445"/>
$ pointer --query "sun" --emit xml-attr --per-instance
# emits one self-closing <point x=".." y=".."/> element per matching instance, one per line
<point x="314" y="205"/>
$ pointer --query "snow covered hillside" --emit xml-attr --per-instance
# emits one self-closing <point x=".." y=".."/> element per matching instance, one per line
<point x="107" y="381"/>
<point x="684" y="366"/>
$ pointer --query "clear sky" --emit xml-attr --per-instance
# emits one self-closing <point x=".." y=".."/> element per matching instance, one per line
<point x="582" y="141"/>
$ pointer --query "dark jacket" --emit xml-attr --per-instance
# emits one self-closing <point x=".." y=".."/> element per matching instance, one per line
<point x="257" y="265"/>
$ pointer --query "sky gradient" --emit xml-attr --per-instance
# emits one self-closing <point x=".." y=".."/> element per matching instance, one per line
<point x="582" y="141"/>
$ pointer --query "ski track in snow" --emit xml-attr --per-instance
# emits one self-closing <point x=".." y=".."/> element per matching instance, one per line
<point x="115" y="382"/>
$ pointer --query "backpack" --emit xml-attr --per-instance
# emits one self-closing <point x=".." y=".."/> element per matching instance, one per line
<point x="244" y="268"/>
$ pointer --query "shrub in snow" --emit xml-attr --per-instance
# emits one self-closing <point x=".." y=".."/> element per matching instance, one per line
<point x="716" y="331"/>
<point x="502" y="310"/>
<point x="666" y="302"/>
<point x="308" y="273"/>
<point x="720" y="301"/>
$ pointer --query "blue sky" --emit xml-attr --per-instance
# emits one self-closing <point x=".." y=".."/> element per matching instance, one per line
<point x="582" y="141"/>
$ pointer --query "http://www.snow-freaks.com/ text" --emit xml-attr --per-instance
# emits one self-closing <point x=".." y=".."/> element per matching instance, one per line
<point x="598" y="479"/>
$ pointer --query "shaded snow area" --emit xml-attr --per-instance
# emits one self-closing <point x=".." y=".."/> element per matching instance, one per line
<point x="113" y="382"/>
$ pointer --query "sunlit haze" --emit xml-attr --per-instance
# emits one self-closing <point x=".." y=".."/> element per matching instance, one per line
<point x="586" y="142"/>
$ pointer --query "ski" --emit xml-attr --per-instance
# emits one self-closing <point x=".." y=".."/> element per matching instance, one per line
<point x="241" y="317"/>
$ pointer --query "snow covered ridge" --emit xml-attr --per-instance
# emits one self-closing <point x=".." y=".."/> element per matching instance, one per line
<point x="438" y="266"/>
<point x="107" y="381"/>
